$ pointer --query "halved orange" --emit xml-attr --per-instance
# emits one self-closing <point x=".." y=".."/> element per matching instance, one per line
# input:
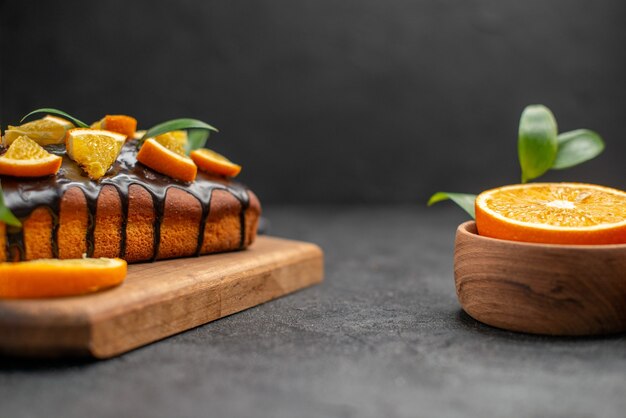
<point x="45" y="131"/>
<point x="52" y="277"/>
<point x="553" y="213"/>
<point x="212" y="162"/>
<point x="123" y="124"/>
<point x="95" y="150"/>
<point x="159" y="158"/>
<point x="26" y="158"/>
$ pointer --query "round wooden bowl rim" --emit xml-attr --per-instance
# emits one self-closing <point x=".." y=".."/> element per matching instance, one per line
<point x="464" y="229"/>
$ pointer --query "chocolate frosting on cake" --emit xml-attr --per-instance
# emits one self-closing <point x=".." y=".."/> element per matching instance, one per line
<point x="23" y="195"/>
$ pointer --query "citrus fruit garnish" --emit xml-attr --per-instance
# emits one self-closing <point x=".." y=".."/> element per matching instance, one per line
<point x="95" y="150"/>
<point x="173" y="141"/>
<point x="26" y="158"/>
<point x="554" y="213"/>
<point x="212" y="162"/>
<point x="162" y="159"/>
<point x="52" y="277"/>
<point x="123" y="124"/>
<point x="46" y="131"/>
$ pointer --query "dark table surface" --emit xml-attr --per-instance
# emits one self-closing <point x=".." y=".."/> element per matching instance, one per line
<point x="383" y="336"/>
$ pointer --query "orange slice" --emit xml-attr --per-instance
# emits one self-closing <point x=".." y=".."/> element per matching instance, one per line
<point x="123" y="124"/>
<point x="555" y="213"/>
<point x="52" y="277"/>
<point x="174" y="141"/>
<point x="95" y="150"/>
<point x="46" y="131"/>
<point x="26" y="158"/>
<point x="212" y="162"/>
<point x="159" y="158"/>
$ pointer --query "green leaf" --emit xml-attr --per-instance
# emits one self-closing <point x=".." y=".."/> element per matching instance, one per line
<point x="6" y="215"/>
<point x="196" y="138"/>
<point x="51" y="111"/>
<point x="464" y="200"/>
<point x="537" y="141"/>
<point x="576" y="147"/>
<point x="194" y="125"/>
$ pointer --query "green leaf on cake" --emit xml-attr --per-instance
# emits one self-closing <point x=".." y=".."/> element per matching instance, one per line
<point x="464" y="200"/>
<point x="57" y="112"/>
<point x="6" y="215"/>
<point x="196" y="138"/>
<point x="198" y="131"/>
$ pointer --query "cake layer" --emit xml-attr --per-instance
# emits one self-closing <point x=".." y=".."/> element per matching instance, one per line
<point x="133" y="213"/>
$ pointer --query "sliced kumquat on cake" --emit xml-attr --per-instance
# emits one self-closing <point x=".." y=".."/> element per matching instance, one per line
<point x="26" y="158"/>
<point x="123" y="124"/>
<point x="95" y="150"/>
<point x="214" y="163"/>
<point x="53" y="277"/>
<point x="553" y="213"/>
<point x="166" y="154"/>
<point x="46" y="131"/>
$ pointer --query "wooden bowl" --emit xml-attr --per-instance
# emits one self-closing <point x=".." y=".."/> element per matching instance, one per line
<point x="541" y="288"/>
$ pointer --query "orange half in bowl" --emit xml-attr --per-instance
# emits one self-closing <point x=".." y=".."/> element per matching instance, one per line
<point x="553" y="213"/>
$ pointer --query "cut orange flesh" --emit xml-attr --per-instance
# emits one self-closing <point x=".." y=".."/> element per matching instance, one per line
<point x="553" y="213"/>
<point x="123" y="124"/>
<point x="46" y="131"/>
<point x="26" y="158"/>
<point x="212" y="162"/>
<point x="52" y="277"/>
<point x="95" y="150"/>
<point x="174" y="141"/>
<point x="165" y="161"/>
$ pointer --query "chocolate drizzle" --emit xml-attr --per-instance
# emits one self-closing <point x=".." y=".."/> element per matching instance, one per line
<point x="22" y="196"/>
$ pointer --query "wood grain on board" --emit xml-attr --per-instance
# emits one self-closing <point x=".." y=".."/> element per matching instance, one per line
<point x="158" y="300"/>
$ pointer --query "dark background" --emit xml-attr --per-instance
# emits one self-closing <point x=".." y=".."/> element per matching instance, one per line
<point x="355" y="101"/>
<point x="359" y="102"/>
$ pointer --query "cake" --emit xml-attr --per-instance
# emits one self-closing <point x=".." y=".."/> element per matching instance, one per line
<point x="133" y="212"/>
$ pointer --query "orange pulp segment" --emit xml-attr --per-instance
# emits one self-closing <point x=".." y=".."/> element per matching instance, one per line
<point x="554" y="213"/>
<point x="45" y="131"/>
<point x="95" y="150"/>
<point x="174" y="141"/>
<point x="212" y="162"/>
<point x="26" y="158"/>
<point x="159" y="158"/>
<point x="53" y="277"/>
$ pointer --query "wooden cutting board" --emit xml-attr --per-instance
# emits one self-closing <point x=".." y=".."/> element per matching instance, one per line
<point x="158" y="300"/>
